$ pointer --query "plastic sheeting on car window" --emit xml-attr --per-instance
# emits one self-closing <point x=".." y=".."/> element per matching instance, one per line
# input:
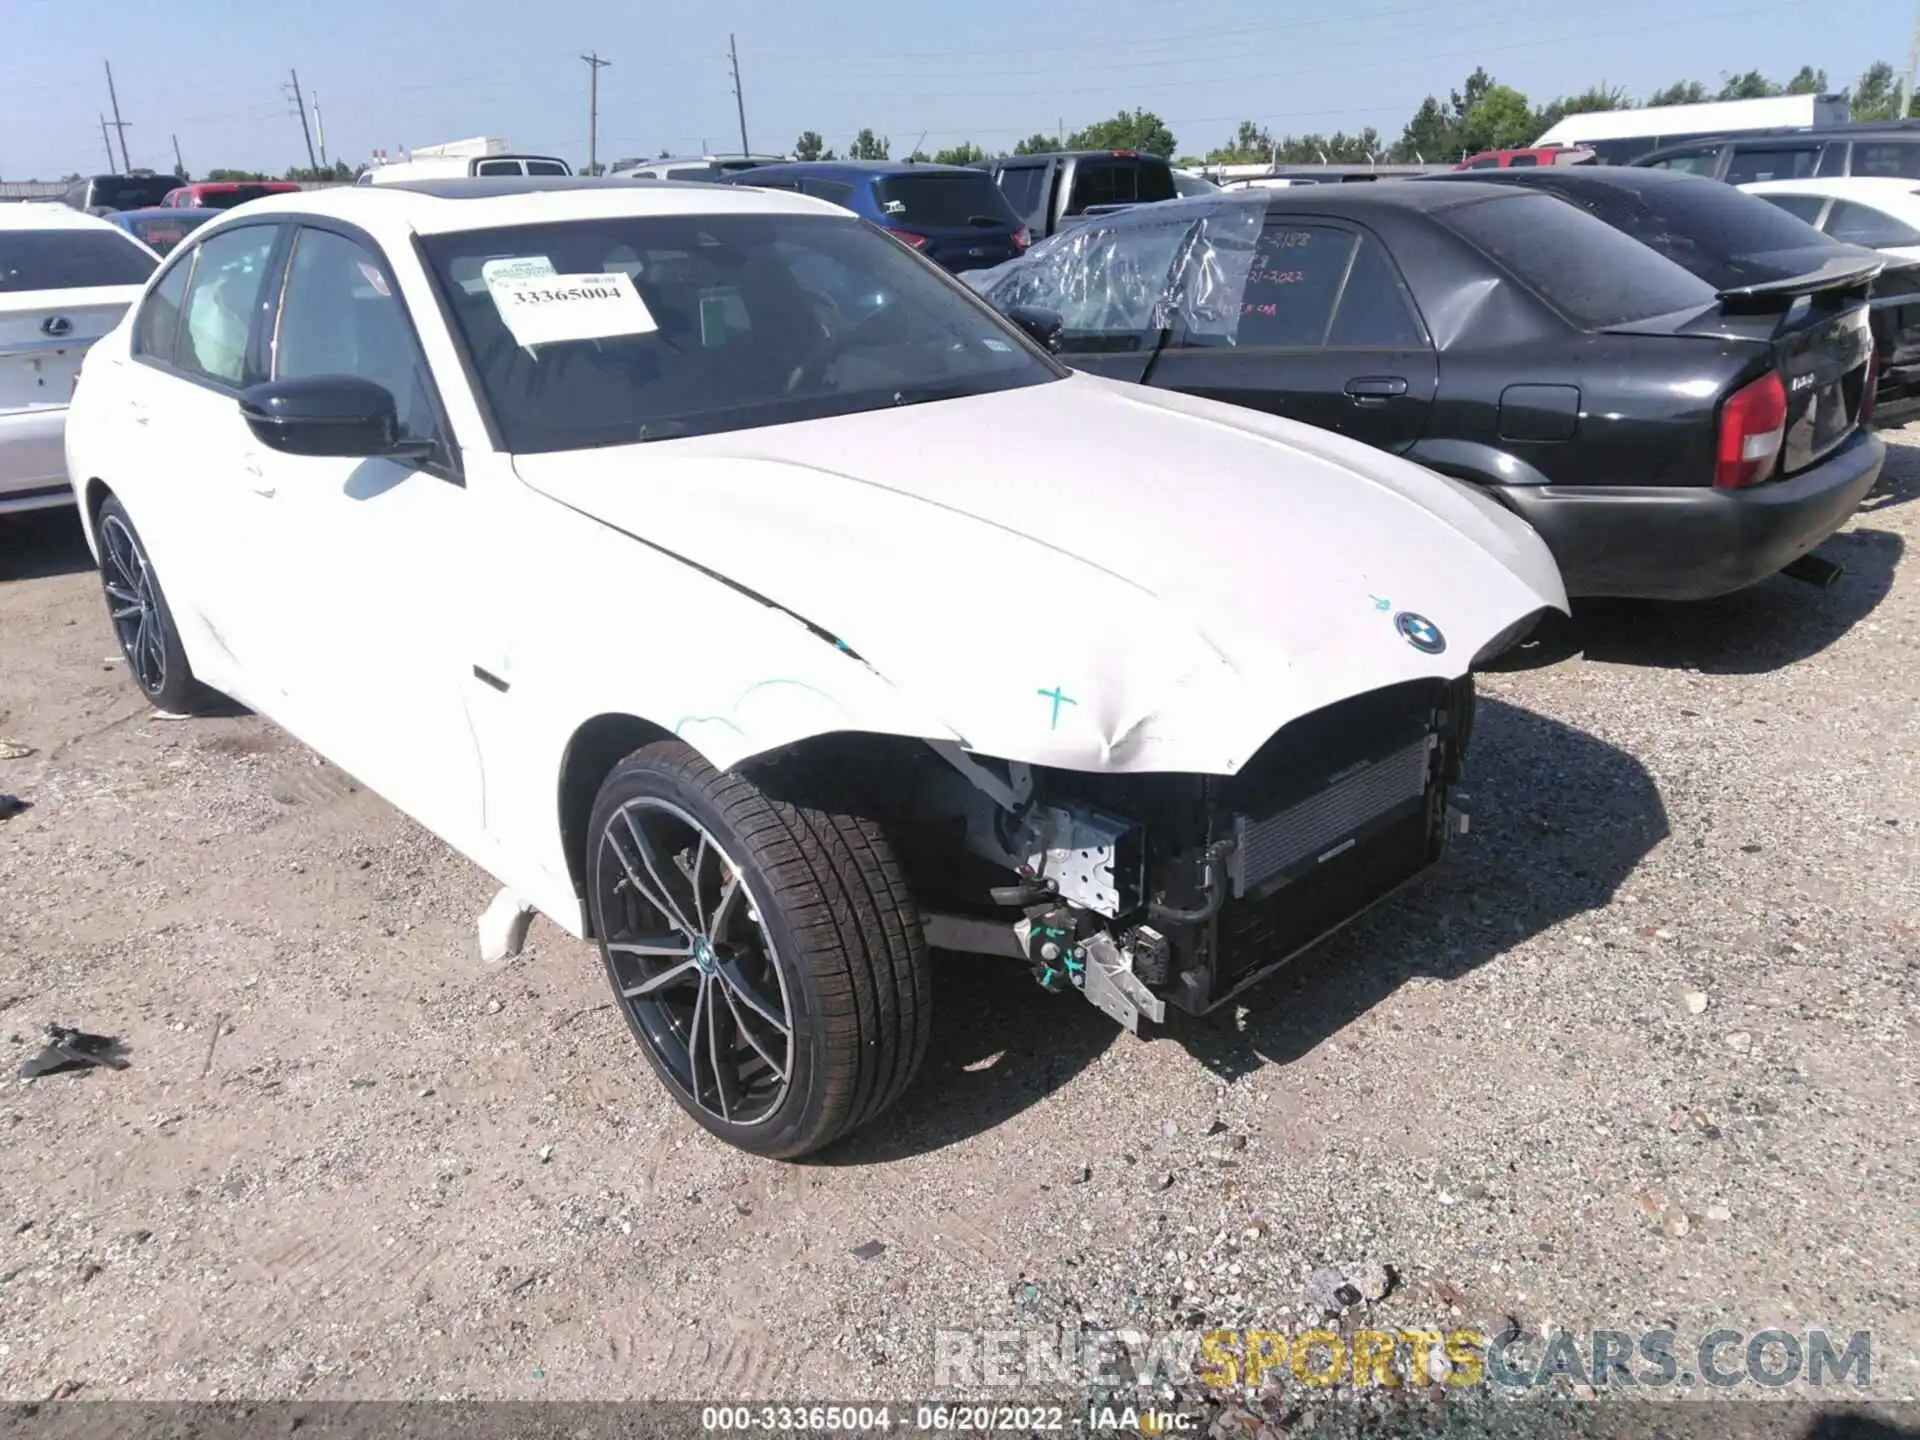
<point x="1153" y="267"/>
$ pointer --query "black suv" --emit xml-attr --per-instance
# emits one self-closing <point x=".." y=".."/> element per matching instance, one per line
<point x="1888" y="150"/>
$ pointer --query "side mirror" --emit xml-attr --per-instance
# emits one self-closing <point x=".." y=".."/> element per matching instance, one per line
<point x="331" y="415"/>
<point x="1042" y="326"/>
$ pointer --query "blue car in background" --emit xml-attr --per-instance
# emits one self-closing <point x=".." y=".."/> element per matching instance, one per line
<point x="954" y="216"/>
<point x="161" y="227"/>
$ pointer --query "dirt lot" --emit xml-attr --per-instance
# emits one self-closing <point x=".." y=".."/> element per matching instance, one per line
<point x="350" y="1159"/>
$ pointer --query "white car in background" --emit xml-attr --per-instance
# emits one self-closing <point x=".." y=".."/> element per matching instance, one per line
<point x="66" y="278"/>
<point x="748" y="596"/>
<point x="1881" y="213"/>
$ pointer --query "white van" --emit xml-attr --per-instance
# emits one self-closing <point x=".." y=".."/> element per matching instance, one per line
<point x="444" y="167"/>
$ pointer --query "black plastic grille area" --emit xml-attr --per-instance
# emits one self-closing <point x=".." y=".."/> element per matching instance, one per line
<point x="1251" y="935"/>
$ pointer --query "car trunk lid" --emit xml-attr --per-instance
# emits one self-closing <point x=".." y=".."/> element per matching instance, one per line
<point x="1813" y="329"/>
<point x="44" y="335"/>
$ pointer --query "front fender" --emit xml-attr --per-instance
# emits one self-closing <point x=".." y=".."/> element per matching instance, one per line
<point x="625" y="630"/>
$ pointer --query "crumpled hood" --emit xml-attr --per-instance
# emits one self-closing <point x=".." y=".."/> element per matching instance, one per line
<point x="1085" y="573"/>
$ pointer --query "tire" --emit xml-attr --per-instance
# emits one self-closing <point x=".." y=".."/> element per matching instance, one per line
<point x="818" y="926"/>
<point x="137" y="609"/>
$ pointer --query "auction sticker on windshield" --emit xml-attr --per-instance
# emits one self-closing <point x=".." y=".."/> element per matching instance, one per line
<point x="545" y="309"/>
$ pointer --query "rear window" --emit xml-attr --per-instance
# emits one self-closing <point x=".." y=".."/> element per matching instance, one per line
<point x="163" y="232"/>
<point x="225" y="199"/>
<point x="545" y="167"/>
<point x="1120" y="181"/>
<point x="1593" y="274"/>
<point x="134" y="192"/>
<point x="1864" y="225"/>
<point x="69" y="260"/>
<point x="950" y="201"/>
<point x="1899" y="159"/>
<point x="1725" y="236"/>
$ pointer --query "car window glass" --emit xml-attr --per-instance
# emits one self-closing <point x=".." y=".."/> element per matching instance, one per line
<point x="1833" y="159"/>
<point x="1488" y="162"/>
<point x="943" y="199"/>
<point x="70" y="259"/>
<point x="1374" y="311"/>
<point x="1520" y="161"/>
<point x="691" y="172"/>
<point x="1297" y="273"/>
<point x="1118" y="182"/>
<point x="834" y="192"/>
<point x="159" y="318"/>
<point x="545" y="167"/>
<point x="1693" y="162"/>
<point x="730" y="327"/>
<point x="1794" y="163"/>
<point x="339" y="316"/>
<point x="1802" y="207"/>
<point x="1589" y="271"/>
<point x="497" y="167"/>
<point x="221" y="303"/>
<point x="1899" y="159"/>
<point x="1864" y="225"/>
<point x="1023" y="186"/>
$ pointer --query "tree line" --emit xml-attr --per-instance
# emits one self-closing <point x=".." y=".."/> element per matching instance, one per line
<point x="1480" y="115"/>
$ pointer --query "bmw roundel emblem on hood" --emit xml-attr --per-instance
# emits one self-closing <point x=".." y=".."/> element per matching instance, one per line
<point x="1419" y="632"/>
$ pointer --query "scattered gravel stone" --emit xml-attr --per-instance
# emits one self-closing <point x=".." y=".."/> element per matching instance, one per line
<point x="1696" y="1002"/>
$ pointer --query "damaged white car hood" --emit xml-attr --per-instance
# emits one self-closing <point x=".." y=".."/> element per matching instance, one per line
<point x="1083" y="573"/>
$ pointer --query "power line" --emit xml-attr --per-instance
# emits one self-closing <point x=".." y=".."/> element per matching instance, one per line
<point x="300" y="109"/>
<point x="118" y="124"/>
<point x="594" y="66"/>
<point x="739" y="100"/>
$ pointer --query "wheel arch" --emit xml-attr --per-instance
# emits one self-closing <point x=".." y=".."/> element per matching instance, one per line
<point x="93" y="495"/>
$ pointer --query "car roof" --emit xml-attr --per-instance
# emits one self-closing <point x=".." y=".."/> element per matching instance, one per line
<point x="49" y="215"/>
<point x="1630" y="178"/>
<point x="855" y="167"/>
<point x="489" y="201"/>
<point x="1866" y="130"/>
<point x="1411" y="193"/>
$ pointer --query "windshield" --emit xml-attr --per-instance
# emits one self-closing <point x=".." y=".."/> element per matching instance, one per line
<point x="959" y="200"/>
<point x="163" y="232"/>
<point x="609" y="332"/>
<point x="1593" y="274"/>
<point x="132" y="192"/>
<point x="1725" y="236"/>
<point x="69" y="259"/>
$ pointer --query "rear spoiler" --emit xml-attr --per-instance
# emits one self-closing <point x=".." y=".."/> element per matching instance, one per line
<point x="1839" y="273"/>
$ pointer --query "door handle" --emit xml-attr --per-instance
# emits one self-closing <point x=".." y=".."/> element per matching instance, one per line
<point x="257" y="478"/>
<point x="1375" y="389"/>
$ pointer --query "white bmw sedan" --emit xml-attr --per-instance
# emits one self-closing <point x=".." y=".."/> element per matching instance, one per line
<point x="750" y="598"/>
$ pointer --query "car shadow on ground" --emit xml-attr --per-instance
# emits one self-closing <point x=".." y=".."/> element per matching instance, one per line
<point x="35" y="544"/>
<point x="1763" y="628"/>
<point x="1560" y="819"/>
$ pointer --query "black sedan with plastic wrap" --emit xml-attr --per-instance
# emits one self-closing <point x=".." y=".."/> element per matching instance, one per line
<point x="1671" y="434"/>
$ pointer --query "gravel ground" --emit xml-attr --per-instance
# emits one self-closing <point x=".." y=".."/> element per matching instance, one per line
<point x="1643" y="1053"/>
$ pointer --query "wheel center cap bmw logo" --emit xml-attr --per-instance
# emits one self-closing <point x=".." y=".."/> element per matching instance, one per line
<point x="703" y="956"/>
<point x="1419" y="632"/>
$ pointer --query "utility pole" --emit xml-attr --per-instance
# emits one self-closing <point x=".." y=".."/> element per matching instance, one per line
<point x="118" y="124"/>
<point x="106" y="142"/>
<point x="1913" y="66"/>
<point x="739" y="98"/>
<point x="300" y="109"/>
<point x="594" y="66"/>
<point x="179" y="165"/>
<point x="319" y="128"/>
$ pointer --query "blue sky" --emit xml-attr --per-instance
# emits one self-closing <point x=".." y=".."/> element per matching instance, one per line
<point x="412" y="72"/>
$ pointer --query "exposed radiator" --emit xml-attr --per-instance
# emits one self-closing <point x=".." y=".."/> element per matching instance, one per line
<point x="1325" y="825"/>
